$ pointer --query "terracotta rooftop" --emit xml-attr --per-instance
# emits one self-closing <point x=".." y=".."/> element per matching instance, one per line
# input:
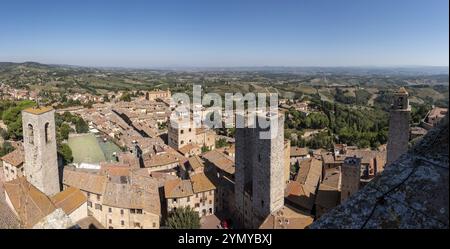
<point x="69" y="200"/>
<point x="178" y="188"/>
<point x="201" y="183"/>
<point x="115" y="169"/>
<point x="90" y="223"/>
<point x="187" y="148"/>
<point x="89" y="182"/>
<point x="438" y="112"/>
<point x="132" y="197"/>
<point x="15" y="158"/>
<point x="38" y="110"/>
<point x="196" y="162"/>
<point x="298" y="151"/>
<point x="295" y="193"/>
<point x="310" y="172"/>
<point x="161" y="160"/>
<point x="220" y="160"/>
<point x="287" y="218"/>
<point x="30" y="203"/>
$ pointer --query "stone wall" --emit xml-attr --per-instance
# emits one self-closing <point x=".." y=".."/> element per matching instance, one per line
<point x="41" y="166"/>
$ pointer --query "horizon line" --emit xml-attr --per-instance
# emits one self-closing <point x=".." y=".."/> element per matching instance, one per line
<point x="225" y="67"/>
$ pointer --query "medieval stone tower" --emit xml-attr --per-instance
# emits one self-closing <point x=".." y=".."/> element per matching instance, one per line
<point x="350" y="177"/>
<point x="398" y="126"/>
<point x="259" y="175"/>
<point x="41" y="166"/>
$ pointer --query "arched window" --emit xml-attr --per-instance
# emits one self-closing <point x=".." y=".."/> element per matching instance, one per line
<point x="30" y="134"/>
<point x="47" y="135"/>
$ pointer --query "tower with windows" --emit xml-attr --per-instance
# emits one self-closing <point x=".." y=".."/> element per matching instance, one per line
<point x="41" y="165"/>
<point x="259" y="175"/>
<point x="398" y="137"/>
<point x="350" y="177"/>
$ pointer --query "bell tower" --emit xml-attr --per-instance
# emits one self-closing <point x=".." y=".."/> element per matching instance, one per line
<point x="41" y="165"/>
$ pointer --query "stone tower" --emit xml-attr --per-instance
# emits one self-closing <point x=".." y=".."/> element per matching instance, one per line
<point x="41" y="166"/>
<point x="398" y="126"/>
<point x="350" y="177"/>
<point x="259" y="175"/>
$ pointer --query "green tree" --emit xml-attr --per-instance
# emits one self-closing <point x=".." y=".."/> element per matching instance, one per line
<point x="12" y="117"/>
<point x="183" y="218"/>
<point x="126" y="97"/>
<point x="205" y="149"/>
<point x="222" y="142"/>
<point x="66" y="153"/>
<point x="4" y="134"/>
<point x="6" y="148"/>
<point x="64" y="131"/>
<point x="81" y="126"/>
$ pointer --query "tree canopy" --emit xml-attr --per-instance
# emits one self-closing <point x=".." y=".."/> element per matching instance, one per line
<point x="183" y="218"/>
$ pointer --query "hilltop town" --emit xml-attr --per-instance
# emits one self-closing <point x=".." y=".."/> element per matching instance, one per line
<point x="82" y="155"/>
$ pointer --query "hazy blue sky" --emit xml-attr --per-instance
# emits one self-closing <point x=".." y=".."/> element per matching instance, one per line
<point x="226" y="33"/>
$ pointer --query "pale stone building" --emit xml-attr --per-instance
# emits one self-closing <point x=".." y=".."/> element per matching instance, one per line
<point x="157" y="94"/>
<point x="73" y="202"/>
<point x="398" y="137"/>
<point x="13" y="164"/>
<point x="197" y="193"/>
<point x="93" y="187"/>
<point x="41" y="165"/>
<point x="220" y="167"/>
<point x="127" y="206"/>
<point x="130" y="204"/>
<point x="181" y="133"/>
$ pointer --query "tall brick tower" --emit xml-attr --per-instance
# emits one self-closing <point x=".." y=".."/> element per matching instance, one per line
<point x="259" y="175"/>
<point x="350" y="177"/>
<point x="398" y="126"/>
<point x="41" y="165"/>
